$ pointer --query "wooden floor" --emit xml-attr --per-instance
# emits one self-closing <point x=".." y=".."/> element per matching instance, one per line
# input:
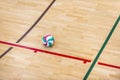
<point x="79" y="27"/>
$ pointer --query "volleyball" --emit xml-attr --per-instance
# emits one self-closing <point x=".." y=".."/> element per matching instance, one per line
<point x="48" y="40"/>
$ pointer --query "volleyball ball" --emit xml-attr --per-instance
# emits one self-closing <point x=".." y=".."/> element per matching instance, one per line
<point x="48" y="40"/>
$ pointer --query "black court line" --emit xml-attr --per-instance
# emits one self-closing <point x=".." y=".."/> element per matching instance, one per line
<point x="9" y="49"/>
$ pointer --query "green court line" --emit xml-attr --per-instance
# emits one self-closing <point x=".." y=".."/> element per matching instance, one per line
<point x="102" y="48"/>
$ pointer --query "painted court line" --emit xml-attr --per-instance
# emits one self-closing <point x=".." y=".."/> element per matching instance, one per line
<point x="58" y="54"/>
<point x="29" y="29"/>
<point x="101" y="50"/>
<point x="104" y="64"/>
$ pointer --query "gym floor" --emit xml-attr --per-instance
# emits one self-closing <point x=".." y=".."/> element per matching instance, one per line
<point x="79" y="27"/>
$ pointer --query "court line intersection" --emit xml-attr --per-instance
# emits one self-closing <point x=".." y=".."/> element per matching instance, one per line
<point x="101" y="49"/>
<point x="57" y="54"/>
<point x="60" y="54"/>
<point x="34" y="24"/>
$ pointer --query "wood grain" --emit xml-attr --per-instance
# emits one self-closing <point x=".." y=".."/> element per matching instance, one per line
<point x="79" y="27"/>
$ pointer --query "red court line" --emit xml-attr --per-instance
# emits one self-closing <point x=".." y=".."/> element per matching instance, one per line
<point x="104" y="64"/>
<point x="58" y="54"/>
<point x="27" y="32"/>
<point x="48" y="52"/>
